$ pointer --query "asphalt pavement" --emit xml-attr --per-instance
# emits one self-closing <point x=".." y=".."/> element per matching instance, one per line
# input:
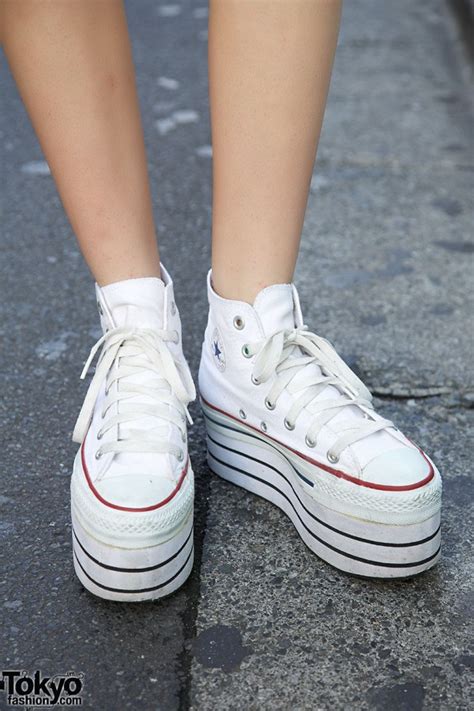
<point x="385" y="272"/>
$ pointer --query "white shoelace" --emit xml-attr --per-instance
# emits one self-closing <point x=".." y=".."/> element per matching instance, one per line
<point x="169" y="386"/>
<point x="288" y="353"/>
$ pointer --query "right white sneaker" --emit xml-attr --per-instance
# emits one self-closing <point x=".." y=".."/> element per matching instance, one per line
<point x="288" y="420"/>
<point x="132" y="488"/>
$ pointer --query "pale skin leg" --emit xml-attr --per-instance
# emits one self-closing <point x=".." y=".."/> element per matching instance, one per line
<point x="72" y="63"/>
<point x="270" y="63"/>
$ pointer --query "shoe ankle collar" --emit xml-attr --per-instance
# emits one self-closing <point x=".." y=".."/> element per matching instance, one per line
<point x="146" y="302"/>
<point x="268" y="309"/>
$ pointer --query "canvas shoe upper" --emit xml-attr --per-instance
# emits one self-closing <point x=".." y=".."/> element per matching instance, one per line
<point x="261" y="365"/>
<point x="132" y="426"/>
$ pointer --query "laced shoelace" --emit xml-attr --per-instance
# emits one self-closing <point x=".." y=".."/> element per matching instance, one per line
<point x="288" y="353"/>
<point x="169" y="386"/>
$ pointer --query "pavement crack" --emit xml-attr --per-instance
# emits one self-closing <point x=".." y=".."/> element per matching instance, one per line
<point x="190" y="614"/>
<point x="410" y="393"/>
<point x="448" y="397"/>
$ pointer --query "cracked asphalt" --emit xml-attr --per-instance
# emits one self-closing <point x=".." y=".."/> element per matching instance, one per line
<point x="385" y="272"/>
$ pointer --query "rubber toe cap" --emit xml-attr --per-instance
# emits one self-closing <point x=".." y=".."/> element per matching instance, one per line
<point x="402" y="467"/>
<point x="136" y="491"/>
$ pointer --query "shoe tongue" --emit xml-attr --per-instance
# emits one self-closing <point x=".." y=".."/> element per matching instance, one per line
<point x="275" y="308"/>
<point x="136" y="302"/>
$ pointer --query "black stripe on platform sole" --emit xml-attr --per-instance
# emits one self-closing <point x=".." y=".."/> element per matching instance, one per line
<point x="131" y="570"/>
<point x="139" y="590"/>
<point x="320" y="540"/>
<point x="318" y="520"/>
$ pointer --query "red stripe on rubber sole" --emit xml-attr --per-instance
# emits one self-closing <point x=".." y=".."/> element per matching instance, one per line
<point x="335" y="472"/>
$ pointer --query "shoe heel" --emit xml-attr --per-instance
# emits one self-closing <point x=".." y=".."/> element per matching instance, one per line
<point x="132" y="574"/>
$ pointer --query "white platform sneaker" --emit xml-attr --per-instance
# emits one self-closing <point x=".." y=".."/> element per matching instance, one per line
<point x="132" y="487"/>
<point x="288" y="420"/>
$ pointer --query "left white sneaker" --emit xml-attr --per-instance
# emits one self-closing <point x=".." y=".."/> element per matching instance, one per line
<point x="132" y="487"/>
<point x="287" y="419"/>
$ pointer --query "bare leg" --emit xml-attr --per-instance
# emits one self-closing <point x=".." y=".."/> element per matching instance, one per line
<point x="270" y="63"/>
<point x="73" y="67"/>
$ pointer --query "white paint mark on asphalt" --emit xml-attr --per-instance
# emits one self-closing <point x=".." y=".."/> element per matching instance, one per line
<point x="51" y="260"/>
<point x="169" y="123"/>
<point x="204" y="151"/>
<point x="186" y="116"/>
<point x="165" y="125"/>
<point x="53" y="349"/>
<point x="318" y="182"/>
<point x="36" y="167"/>
<point x="168" y="83"/>
<point x="169" y="10"/>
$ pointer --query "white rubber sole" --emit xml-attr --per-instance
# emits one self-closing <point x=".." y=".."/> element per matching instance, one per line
<point x="132" y="574"/>
<point x="348" y="543"/>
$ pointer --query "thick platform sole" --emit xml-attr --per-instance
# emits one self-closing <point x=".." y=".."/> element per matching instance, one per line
<point x="132" y="574"/>
<point x="350" y="544"/>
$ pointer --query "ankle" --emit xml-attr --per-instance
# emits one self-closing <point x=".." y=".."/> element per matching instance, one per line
<point x="106" y="278"/>
<point x="117" y="268"/>
<point x="239" y="286"/>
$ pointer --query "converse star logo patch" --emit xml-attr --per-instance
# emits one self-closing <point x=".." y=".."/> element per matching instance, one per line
<point x="218" y="350"/>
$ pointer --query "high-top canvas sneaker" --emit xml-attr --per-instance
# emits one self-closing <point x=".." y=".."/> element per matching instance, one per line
<point x="288" y="420"/>
<point x="132" y="487"/>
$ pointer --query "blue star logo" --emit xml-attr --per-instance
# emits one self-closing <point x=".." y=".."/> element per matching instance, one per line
<point x="218" y="351"/>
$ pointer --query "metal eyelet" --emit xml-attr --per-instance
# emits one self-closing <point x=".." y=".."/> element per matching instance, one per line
<point x="100" y="434"/>
<point x="246" y="351"/>
<point x="181" y="456"/>
<point x="263" y="426"/>
<point x="310" y="442"/>
<point x="332" y="458"/>
<point x="269" y="405"/>
<point x="239" y="323"/>
<point x="243" y="414"/>
<point x="289" y="426"/>
<point x="98" y="454"/>
<point x="255" y="380"/>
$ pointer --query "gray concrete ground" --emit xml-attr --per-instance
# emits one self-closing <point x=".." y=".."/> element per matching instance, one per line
<point x="385" y="272"/>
